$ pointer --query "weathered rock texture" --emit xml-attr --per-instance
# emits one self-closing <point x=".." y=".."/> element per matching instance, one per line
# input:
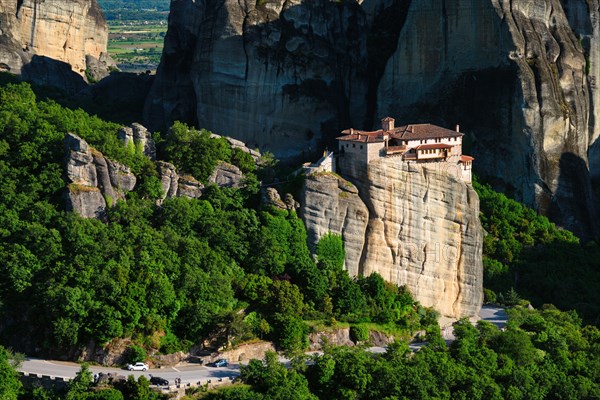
<point x="11" y="51"/>
<point x="226" y="175"/>
<point x="331" y="204"/>
<point x="137" y="136"/>
<point x="72" y="31"/>
<point x="270" y="197"/>
<point x="519" y="75"/>
<point x="174" y="185"/>
<point x="256" y="70"/>
<point x="584" y="18"/>
<point x="96" y="182"/>
<point x="337" y="337"/>
<point x="513" y="73"/>
<point x="93" y="180"/>
<point x="415" y="225"/>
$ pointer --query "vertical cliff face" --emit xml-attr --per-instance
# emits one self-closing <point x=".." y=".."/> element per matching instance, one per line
<point x="64" y="30"/>
<point x="514" y="74"/>
<point x="257" y="70"/>
<point x="331" y="204"/>
<point x="11" y="54"/>
<point x="584" y="18"/>
<point x="519" y="75"/>
<point x="415" y="225"/>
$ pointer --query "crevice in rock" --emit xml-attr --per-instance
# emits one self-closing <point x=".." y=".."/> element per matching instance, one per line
<point x="244" y="37"/>
<point x="19" y="5"/>
<point x="459" y="272"/>
<point x="382" y="41"/>
<point x="33" y="24"/>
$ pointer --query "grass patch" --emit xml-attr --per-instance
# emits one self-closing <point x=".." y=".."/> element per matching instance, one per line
<point x="389" y="330"/>
<point x="76" y="188"/>
<point x="324" y="326"/>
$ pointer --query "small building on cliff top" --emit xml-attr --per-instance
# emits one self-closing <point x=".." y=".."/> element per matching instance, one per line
<point x="418" y="143"/>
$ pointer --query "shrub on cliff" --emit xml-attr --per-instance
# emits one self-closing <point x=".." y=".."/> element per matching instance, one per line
<point x="359" y="333"/>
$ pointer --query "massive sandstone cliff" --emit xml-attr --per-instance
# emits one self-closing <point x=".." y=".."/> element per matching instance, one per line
<point x="70" y="31"/>
<point x="415" y="225"/>
<point x="519" y="75"/>
<point x="271" y="73"/>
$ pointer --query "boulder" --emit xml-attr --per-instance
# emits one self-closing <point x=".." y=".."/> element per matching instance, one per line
<point x="270" y="197"/>
<point x="189" y="187"/>
<point x="226" y="175"/>
<point x="138" y="136"/>
<point x="94" y="182"/>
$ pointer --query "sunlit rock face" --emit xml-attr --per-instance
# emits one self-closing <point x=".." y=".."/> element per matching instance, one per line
<point x="415" y="225"/>
<point x="94" y="182"/>
<point x="64" y="30"/>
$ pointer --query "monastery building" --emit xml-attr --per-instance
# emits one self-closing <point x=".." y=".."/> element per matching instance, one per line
<point x="414" y="143"/>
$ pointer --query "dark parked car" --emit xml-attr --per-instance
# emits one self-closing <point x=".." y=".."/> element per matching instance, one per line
<point x="157" y="380"/>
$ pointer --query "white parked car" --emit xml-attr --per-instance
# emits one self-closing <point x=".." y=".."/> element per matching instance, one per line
<point x="139" y="366"/>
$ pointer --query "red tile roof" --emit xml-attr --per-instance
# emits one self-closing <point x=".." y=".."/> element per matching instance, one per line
<point x="422" y="131"/>
<point x="466" y="158"/>
<point x="354" y="135"/>
<point x="405" y="132"/>
<point x="395" y="149"/>
<point x="433" y="146"/>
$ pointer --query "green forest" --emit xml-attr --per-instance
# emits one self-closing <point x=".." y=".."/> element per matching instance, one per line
<point x="226" y="267"/>
<point x="166" y="276"/>
<point x="543" y="354"/>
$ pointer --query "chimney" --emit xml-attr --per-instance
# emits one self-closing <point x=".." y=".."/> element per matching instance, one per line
<point x="387" y="124"/>
<point x="457" y="128"/>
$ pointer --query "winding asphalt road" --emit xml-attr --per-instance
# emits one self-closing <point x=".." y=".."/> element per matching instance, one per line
<point x="189" y="373"/>
<point x="194" y="373"/>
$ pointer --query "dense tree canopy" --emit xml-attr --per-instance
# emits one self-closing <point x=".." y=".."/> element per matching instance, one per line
<point x="526" y="256"/>
<point x="10" y="385"/>
<point x="166" y="276"/>
<point x="542" y="354"/>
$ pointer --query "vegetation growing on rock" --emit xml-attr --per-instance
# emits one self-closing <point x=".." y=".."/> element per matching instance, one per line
<point x="178" y="271"/>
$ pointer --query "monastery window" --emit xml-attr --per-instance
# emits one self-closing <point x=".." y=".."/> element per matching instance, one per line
<point x="361" y="146"/>
<point x="353" y="144"/>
